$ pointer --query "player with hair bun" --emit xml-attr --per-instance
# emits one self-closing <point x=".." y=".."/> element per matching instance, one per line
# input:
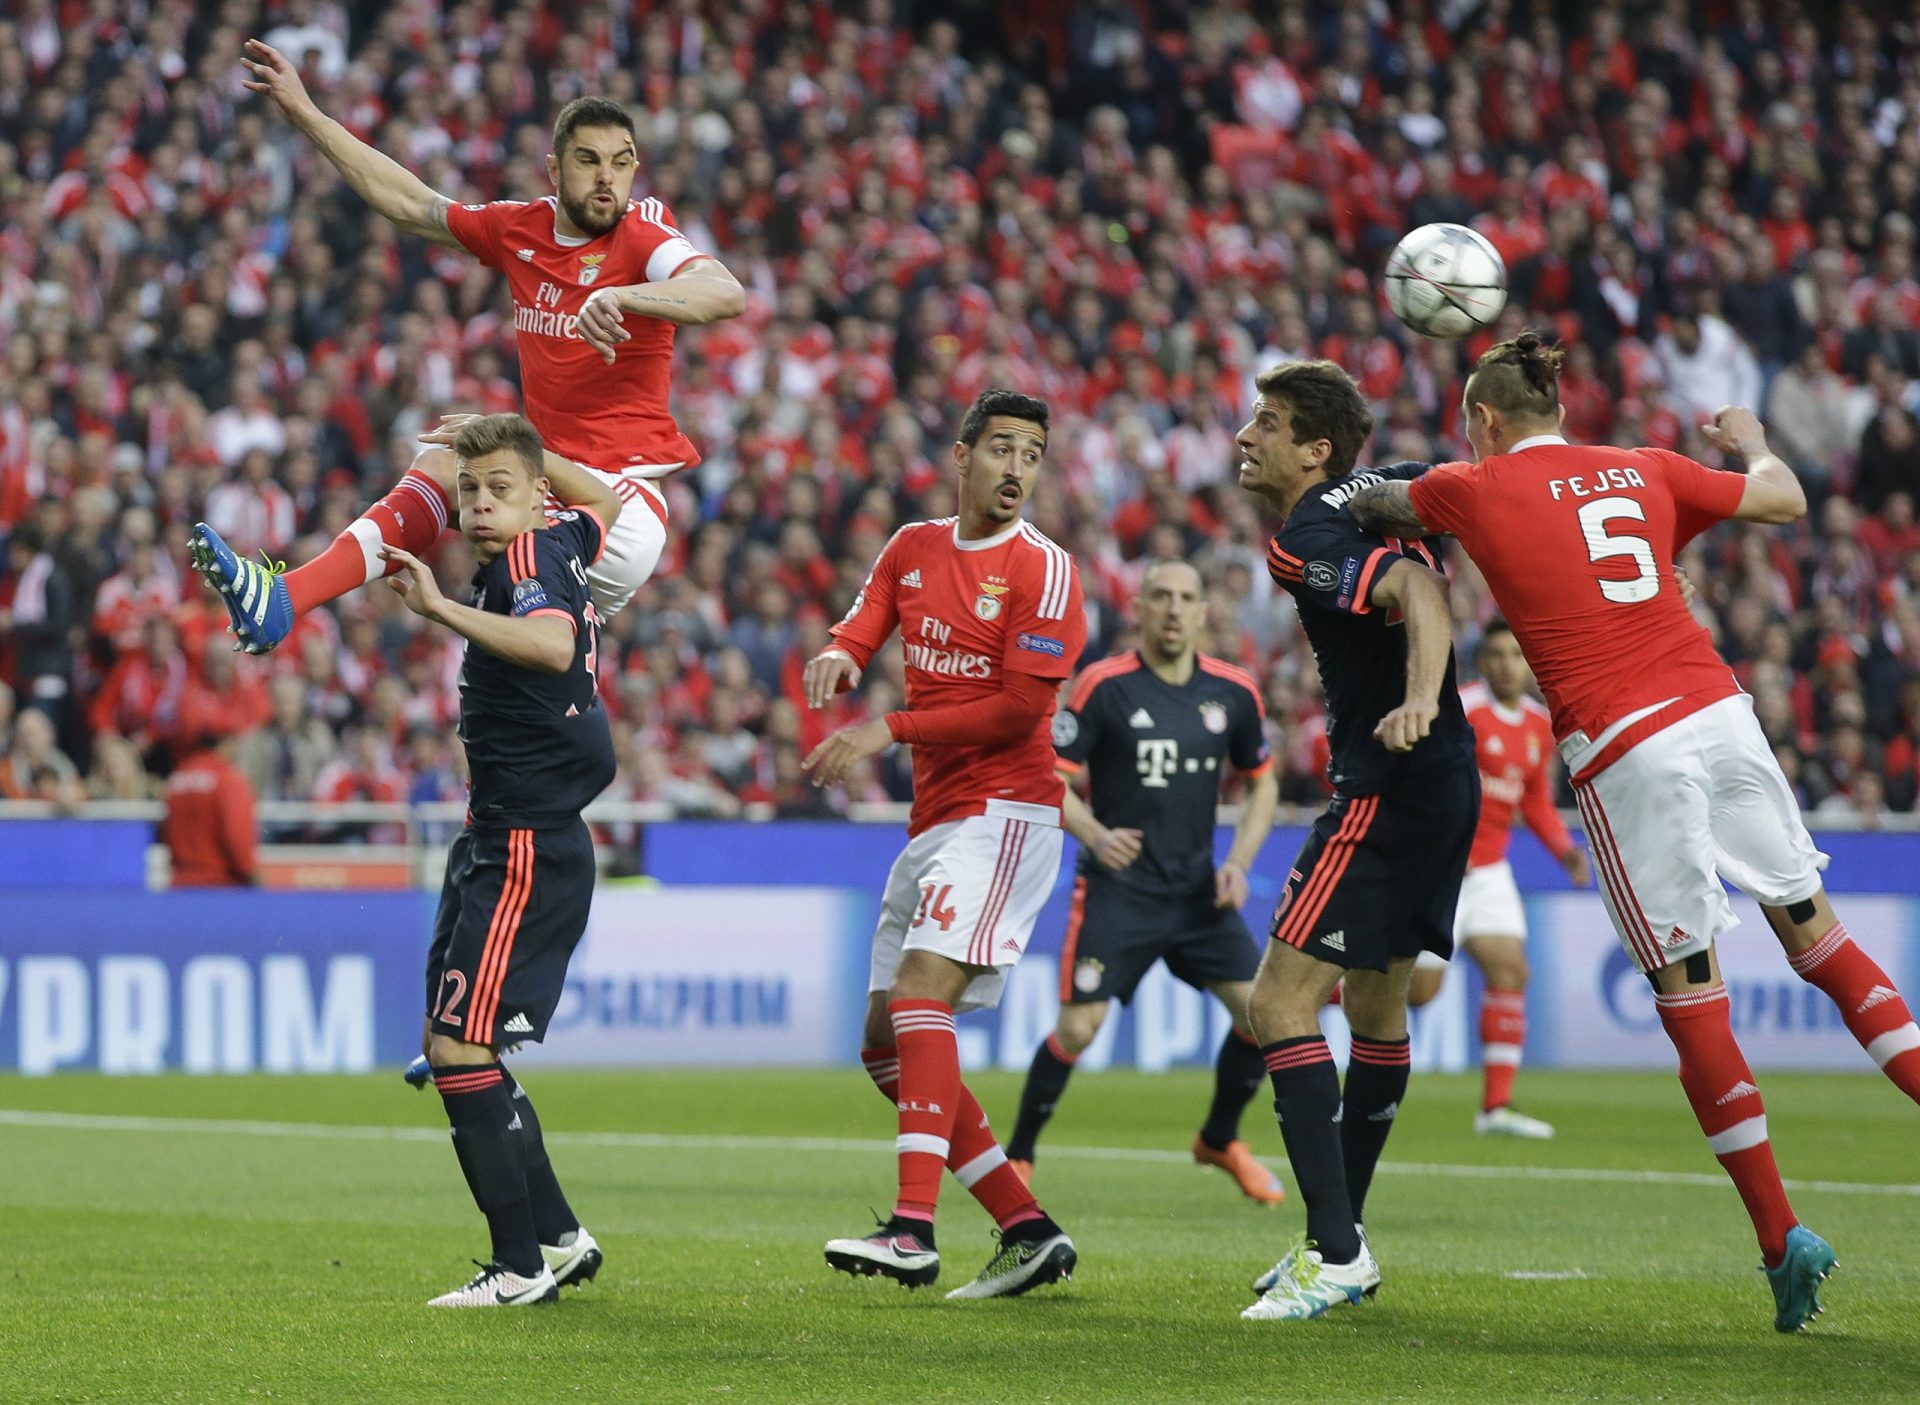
<point x="1675" y="780"/>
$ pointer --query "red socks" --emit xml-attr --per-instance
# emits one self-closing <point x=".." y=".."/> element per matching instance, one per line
<point x="1503" y="1033"/>
<point x="1718" y="1083"/>
<point x="1872" y="1008"/>
<point x="973" y="1155"/>
<point x="412" y="516"/>
<point x="928" y="1098"/>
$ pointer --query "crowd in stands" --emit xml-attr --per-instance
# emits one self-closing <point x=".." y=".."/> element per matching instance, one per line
<point x="1128" y="207"/>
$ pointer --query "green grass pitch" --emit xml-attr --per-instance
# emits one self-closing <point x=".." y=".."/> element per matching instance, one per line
<point x="150" y="1259"/>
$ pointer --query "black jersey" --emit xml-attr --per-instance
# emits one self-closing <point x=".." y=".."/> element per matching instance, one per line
<point x="1155" y="755"/>
<point x="538" y="747"/>
<point x="1330" y="566"/>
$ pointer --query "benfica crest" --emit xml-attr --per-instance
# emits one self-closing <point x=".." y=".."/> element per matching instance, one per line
<point x="590" y="268"/>
<point x="987" y="603"/>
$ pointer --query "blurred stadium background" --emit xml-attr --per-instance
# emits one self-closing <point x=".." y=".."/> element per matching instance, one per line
<point x="1128" y="208"/>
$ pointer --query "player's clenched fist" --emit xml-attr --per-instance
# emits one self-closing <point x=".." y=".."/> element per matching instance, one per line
<point x="828" y="672"/>
<point x="1736" y="430"/>
<point x="1407" y="724"/>
<point x="834" y="759"/>
<point x="602" y="322"/>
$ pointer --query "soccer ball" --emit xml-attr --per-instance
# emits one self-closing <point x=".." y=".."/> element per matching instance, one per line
<point x="1444" y="280"/>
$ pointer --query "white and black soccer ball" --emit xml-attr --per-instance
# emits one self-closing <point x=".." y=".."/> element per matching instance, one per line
<point x="1444" y="280"/>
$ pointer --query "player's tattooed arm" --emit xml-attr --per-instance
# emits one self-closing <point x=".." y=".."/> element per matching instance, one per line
<point x="1386" y="509"/>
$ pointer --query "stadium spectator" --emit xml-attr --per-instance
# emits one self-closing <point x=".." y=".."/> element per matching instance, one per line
<point x="1128" y="209"/>
<point x="209" y="826"/>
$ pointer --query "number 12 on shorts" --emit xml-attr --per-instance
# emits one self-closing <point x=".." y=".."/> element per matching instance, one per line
<point x="934" y="904"/>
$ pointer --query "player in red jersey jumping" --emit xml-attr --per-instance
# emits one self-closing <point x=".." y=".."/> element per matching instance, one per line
<point x="577" y="263"/>
<point x="991" y="623"/>
<point x="1514" y="744"/>
<point x="1675" y="780"/>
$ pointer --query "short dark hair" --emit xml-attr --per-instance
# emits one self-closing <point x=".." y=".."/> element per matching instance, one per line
<point x="590" y="112"/>
<point x="1496" y="625"/>
<point x="1009" y="403"/>
<point x="490" y="434"/>
<point x="1326" y="403"/>
<point x="1520" y="378"/>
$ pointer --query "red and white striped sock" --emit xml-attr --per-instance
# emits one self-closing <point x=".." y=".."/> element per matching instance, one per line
<point x="975" y="1157"/>
<point x="1872" y="1008"/>
<point x="1503" y="1034"/>
<point x="411" y="516"/>
<point x="927" y="1100"/>
<point x="1720" y="1087"/>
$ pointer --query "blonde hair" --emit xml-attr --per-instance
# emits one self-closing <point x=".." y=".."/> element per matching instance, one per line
<point x="490" y="434"/>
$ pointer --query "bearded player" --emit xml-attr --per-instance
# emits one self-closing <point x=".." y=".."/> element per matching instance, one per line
<point x="579" y="263"/>
<point x="1514" y="742"/>
<point x="1675" y="779"/>
<point x="991" y="623"/>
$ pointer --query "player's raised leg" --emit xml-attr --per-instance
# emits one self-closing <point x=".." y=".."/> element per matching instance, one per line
<point x="263" y="604"/>
<point x="1238" y="1073"/>
<point x="1824" y="955"/>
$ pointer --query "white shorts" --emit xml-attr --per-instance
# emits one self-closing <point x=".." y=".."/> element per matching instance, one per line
<point x="970" y="890"/>
<point x="1695" y="802"/>
<point x="1489" y="904"/>
<point x="634" y="544"/>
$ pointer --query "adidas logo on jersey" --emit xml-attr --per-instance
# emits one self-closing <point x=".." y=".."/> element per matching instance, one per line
<point x="1742" y="1089"/>
<point x="1385" y="1114"/>
<point x="1140" y="718"/>
<point x="911" y="580"/>
<point x="524" y="255"/>
<point x="1335" y="941"/>
<point x="520" y="1024"/>
<point x="1879" y="995"/>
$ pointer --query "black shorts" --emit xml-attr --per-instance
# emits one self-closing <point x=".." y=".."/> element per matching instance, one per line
<point x="1115" y="933"/>
<point x="512" y="909"/>
<point x="1379" y="876"/>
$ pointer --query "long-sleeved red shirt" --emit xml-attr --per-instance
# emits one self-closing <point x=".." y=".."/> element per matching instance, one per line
<point x="209" y="825"/>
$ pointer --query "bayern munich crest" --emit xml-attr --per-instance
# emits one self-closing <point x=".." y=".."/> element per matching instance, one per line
<point x="1213" y="716"/>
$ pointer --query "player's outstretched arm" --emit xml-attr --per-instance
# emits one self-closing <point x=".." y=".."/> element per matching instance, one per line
<point x="1386" y="509"/>
<point x="540" y="642"/>
<point x="1420" y="594"/>
<point x="1772" y="494"/>
<point x="376" y="178"/>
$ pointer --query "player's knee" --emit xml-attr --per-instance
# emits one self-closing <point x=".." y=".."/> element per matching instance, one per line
<point x="1425" y="985"/>
<point x="440" y="465"/>
<point x="1508" y="972"/>
<point x="444" y="1051"/>
<point x="1078" y="1025"/>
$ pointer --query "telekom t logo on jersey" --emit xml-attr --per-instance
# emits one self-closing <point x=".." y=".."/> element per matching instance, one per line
<point x="1158" y="758"/>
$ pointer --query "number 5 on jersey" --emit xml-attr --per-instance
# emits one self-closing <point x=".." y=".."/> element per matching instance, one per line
<point x="1602" y="545"/>
<point x="934" y="903"/>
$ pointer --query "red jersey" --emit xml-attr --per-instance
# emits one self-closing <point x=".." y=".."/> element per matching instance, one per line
<point x="1577" y="545"/>
<point x="209" y="824"/>
<point x="968" y="614"/>
<point x="613" y="418"/>
<point x="1514" y="746"/>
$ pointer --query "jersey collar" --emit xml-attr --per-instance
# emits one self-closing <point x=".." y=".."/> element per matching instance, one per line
<point x="987" y="543"/>
<point x="1536" y="441"/>
<point x="565" y="241"/>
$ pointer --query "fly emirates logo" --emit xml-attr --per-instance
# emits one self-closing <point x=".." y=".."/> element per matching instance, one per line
<point x="544" y="318"/>
<point x="930" y="653"/>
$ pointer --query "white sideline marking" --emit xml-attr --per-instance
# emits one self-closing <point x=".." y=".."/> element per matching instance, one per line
<point x="1543" y="1275"/>
<point x="660" y="1141"/>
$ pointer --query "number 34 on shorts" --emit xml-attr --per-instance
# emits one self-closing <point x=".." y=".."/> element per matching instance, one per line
<point x="969" y="890"/>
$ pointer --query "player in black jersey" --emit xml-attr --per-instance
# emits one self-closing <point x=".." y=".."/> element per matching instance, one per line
<point x="1154" y="731"/>
<point x="1376" y="881"/>
<point x="520" y="875"/>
